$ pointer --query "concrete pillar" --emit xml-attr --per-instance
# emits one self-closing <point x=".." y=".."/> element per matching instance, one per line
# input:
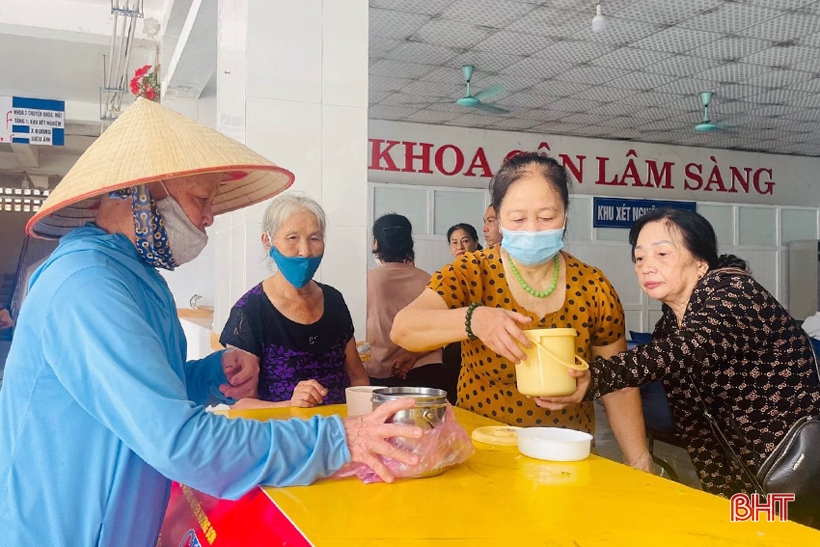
<point x="292" y="85"/>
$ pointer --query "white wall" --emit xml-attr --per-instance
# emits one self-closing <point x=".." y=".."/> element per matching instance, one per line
<point x="292" y="85"/>
<point x="755" y="223"/>
<point x="466" y="158"/>
<point x="431" y="211"/>
<point x="196" y="277"/>
<point x="759" y="234"/>
<point x="756" y="233"/>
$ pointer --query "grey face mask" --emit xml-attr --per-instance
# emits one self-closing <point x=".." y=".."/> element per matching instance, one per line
<point x="185" y="240"/>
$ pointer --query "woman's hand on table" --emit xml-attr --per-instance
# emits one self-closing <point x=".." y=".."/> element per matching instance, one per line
<point x="366" y="437"/>
<point x="582" y="379"/>
<point x="643" y="463"/>
<point x="308" y="393"/>
<point x="500" y="331"/>
<point x="242" y="371"/>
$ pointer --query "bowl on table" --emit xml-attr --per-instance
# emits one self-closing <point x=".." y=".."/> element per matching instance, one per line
<point x="358" y="399"/>
<point x="554" y="443"/>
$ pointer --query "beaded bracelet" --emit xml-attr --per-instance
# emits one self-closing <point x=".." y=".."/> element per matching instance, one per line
<point x="468" y="320"/>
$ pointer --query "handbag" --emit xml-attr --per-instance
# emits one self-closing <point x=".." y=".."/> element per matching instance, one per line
<point x="792" y="467"/>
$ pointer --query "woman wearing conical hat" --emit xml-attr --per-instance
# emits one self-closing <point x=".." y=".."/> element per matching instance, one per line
<point x="99" y="409"/>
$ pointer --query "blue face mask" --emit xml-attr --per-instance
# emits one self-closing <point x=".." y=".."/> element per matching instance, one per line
<point x="298" y="270"/>
<point x="532" y="248"/>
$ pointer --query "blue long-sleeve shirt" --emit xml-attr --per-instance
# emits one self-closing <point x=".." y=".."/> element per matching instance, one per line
<point x="99" y="409"/>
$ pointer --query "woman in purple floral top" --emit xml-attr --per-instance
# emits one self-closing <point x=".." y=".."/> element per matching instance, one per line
<point x="301" y="330"/>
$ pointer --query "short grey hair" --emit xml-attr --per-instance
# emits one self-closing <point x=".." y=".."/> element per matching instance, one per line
<point x="285" y="206"/>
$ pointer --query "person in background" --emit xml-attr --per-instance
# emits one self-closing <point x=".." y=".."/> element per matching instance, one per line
<point x="300" y="329"/>
<point x="6" y="322"/>
<point x="483" y="300"/>
<point x="811" y="325"/>
<point x="722" y="336"/>
<point x="391" y="287"/>
<point x="100" y="409"/>
<point x="492" y="232"/>
<point x="463" y="239"/>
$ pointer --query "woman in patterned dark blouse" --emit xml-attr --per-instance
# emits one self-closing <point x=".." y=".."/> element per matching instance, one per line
<point x="720" y="329"/>
<point x="300" y="329"/>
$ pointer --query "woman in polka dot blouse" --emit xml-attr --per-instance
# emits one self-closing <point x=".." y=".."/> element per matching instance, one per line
<point x="527" y="283"/>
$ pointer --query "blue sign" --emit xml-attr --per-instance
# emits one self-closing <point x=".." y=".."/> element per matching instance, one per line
<point x="621" y="213"/>
<point x="32" y="121"/>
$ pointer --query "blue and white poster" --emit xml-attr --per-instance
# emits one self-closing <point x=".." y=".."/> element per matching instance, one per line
<point x="621" y="213"/>
<point x="32" y="121"/>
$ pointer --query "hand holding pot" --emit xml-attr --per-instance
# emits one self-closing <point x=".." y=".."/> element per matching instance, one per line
<point x="366" y="437"/>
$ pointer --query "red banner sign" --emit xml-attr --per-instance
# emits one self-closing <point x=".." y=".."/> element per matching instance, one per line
<point x="194" y="519"/>
<point x="631" y="171"/>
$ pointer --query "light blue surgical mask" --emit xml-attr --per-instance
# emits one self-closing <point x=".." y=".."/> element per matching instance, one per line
<point x="298" y="270"/>
<point x="532" y="248"/>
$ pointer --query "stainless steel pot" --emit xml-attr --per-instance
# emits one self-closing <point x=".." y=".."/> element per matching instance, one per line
<point x="427" y="413"/>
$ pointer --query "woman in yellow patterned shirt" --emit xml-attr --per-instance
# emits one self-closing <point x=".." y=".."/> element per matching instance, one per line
<point x="485" y="299"/>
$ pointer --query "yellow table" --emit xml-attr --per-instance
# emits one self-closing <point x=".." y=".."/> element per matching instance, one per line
<point x="500" y="497"/>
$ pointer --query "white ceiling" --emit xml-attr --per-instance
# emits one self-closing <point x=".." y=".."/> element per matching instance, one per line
<point x="61" y="60"/>
<point x="638" y="80"/>
<point x="151" y="8"/>
<point x="57" y="69"/>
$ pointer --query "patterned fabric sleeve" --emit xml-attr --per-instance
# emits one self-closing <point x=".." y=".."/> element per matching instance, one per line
<point x="244" y="327"/>
<point x="460" y="283"/>
<point x="663" y="327"/>
<point x="610" y="325"/>
<point x="707" y="340"/>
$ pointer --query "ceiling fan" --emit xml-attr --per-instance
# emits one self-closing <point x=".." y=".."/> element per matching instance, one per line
<point x="474" y="101"/>
<point x="707" y="125"/>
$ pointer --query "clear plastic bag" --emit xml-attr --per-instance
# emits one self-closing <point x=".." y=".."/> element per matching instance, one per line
<point x="444" y="446"/>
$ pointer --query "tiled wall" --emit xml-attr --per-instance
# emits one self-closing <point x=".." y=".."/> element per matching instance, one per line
<point x="197" y="277"/>
<point x="307" y="112"/>
<point x="758" y="234"/>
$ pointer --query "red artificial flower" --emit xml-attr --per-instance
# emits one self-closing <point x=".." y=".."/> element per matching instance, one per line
<point x="142" y="71"/>
<point x="135" y="87"/>
<point x="150" y="94"/>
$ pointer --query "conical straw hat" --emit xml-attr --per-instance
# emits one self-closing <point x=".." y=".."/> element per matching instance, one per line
<point x="147" y="143"/>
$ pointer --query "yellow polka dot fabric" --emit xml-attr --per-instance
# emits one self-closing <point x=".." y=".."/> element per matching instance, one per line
<point x="487" y="381"/>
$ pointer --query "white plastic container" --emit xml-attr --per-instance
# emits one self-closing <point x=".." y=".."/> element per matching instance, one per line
<point x="358" y="399"/>
<point x="554" y="443"/>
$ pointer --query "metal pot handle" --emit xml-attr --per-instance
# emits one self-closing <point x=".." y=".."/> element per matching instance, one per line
<point x="429" y="417"/>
